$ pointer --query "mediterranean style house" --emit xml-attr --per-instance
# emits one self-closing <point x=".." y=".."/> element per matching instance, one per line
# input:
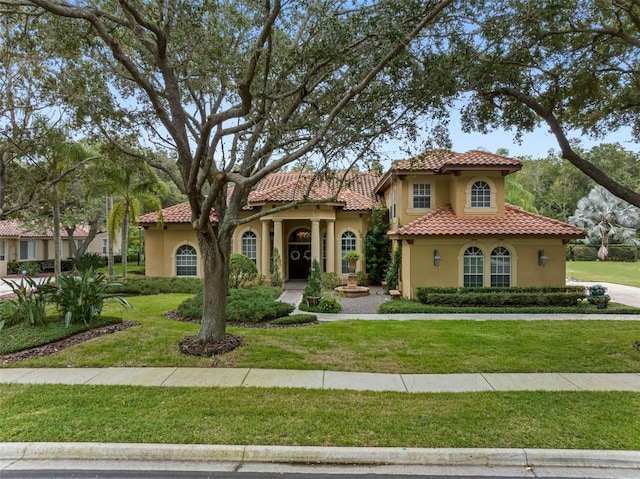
<point x="447" y="214"/>
<point x="19" y="242"/>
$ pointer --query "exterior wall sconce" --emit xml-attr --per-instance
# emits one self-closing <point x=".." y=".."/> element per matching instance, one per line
<point x="542" y="258"/>
<point x="436" y="258"/>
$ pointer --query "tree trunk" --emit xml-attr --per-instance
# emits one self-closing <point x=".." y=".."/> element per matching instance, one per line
<point x="124" y="247"/>
<point x="216" y="287"/>
<point x="57" y="239"/>
<point x="112" y="272"/>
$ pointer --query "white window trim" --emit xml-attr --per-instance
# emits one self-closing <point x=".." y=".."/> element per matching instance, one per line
<point x="174" y="262"/>
<point x="29" y="257"/>
<point x="410" y="210"/>
<point x="470" y="210"/>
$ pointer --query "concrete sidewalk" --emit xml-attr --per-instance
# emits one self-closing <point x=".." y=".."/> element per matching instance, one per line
<point x="316" y="379"/>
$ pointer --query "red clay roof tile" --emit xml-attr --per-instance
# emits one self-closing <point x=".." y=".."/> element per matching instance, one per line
<point x="18" y="229"/>
<point x="515" y="221"/>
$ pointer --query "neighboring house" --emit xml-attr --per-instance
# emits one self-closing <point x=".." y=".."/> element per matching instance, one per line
<point x="447" y="214"/>
<point x="18" y="242"/>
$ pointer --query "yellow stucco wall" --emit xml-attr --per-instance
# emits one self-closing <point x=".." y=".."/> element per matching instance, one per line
<point x="418" y="267"/>
<point x="162" y="244"/>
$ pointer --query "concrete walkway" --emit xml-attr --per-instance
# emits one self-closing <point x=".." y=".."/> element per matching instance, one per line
<point x="316" y="379"/>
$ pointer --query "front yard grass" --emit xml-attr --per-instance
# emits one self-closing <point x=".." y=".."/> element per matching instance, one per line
<point x="605" y="271"/>
<point x="369" y="346"/>
<point x="567" y="420"/>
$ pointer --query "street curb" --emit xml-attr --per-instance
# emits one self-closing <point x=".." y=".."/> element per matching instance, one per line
<point x="321" y="455"/>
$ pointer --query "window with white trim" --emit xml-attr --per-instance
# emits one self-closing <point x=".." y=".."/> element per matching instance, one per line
<point x="500" y="267"/>
<point x="2" y="250"/>
<point x="250" y="245"/>
<point x="27" y="250"/>
<point x="104" y="246"/>
<point x="186" y="261"/>
<point x="473" y="267"/>
<point x="481" y="195"/>
<point x="422" y="196"/>
<point x="347" y="243"/>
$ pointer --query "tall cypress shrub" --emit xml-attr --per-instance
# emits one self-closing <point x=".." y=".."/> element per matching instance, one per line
<point x="377" y="245"/>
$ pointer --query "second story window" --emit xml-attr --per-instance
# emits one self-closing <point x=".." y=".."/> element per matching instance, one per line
<point x="480" y="195"/>
<point x="422" y="196"/>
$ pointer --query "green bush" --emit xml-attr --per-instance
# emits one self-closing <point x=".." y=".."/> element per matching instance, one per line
<point x="623" y="252"/>
<point x="8" y="316"/>
<point x="392" y="277"/>
<point x="150" y="285"/>
<point x="583" y="252"/>
<point x="329" y="281"/>
<point x="329" y="303"/>
<point x="313" y="289"/>
<point x="246" y="305"/>
<point x="89" y="260"/>
<point x="81" y="298"/>
<point x="242" y="270"/>
<point x="514" y="296"/>
<point x="296" y="319"/>
<point x="30" y="303"/>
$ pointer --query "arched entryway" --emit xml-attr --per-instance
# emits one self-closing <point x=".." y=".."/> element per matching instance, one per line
<point x="299" y="254"/>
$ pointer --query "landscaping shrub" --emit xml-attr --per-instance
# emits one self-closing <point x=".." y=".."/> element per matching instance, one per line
<point x="623" y="252"/>
<point x="583" y="252"/>
<point x="296" y="319"/>
<point x="516" y="297"/>
<point x="29" y="305"/>
<point x="392" y="277"/>
<point x="313" y="289"/>
<point x="329" y="303"/>
<point x="8" y="316"/>
<point x="89" y="260"/>
<point x="81" y="298"/>
<point x="329" y="281"/>
<point x="149" y="285"/>
<point x="246" y="305"/>
<point x="242" y="270"/>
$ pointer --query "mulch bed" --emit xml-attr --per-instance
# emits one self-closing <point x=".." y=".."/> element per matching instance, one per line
<point x="51" y="348"/>
<point x="173" y="314"/>
<point x="190" y="345"/>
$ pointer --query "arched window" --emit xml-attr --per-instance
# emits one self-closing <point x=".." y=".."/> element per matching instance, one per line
<point x="250" y="245"/>
<point x="500" y="267"/>
<point x="481" y="195"/>
<point x="473" y="267"/>
<point x="186" y="261"/>
<point x="347" y="243"/>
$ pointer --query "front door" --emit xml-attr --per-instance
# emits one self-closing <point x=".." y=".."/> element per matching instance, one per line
<point x="300" y="254"/>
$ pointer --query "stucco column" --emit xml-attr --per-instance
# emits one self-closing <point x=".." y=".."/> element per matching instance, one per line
<point x="278" y="243"/>
<point x="315" y="239"/>
<point x="265" y="250"/>
<point x="331" y="246"/>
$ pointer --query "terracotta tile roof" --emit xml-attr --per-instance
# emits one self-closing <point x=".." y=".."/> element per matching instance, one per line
<point x="356" y="194"/>
<point x="442" y="160"/>
<point x="516" y="221"/>
<point x="18" y="229"/>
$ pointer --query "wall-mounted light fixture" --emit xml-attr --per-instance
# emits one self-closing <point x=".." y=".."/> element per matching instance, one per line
<point x="542" y="258"/>
<point x="436" y="258"/>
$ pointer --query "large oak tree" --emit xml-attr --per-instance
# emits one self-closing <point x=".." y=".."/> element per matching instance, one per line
<point x="570" y="65"/>
<point x="240" y="89"/>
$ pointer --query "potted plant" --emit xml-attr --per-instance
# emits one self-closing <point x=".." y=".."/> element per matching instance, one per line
<point x="598" y="297"/>
<point x="352" y="257"/>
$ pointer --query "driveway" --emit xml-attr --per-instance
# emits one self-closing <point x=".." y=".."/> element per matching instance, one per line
<point x="619" y="293"/>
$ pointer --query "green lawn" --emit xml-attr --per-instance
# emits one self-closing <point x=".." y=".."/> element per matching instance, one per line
<point x="607" y="272"/>
<point x="369" y="346"/>
<point x="574" y="420"/>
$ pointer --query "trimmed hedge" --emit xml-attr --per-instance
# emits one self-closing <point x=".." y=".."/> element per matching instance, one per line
<point x="511" y="297"/>
<point x="583" y="252"/>
<point x="623" y="252"/>
<point x="150" y="285"/>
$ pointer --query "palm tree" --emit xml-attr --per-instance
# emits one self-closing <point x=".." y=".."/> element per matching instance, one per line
<point x="135" y="187"/>
<point x="606" y="216"/>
